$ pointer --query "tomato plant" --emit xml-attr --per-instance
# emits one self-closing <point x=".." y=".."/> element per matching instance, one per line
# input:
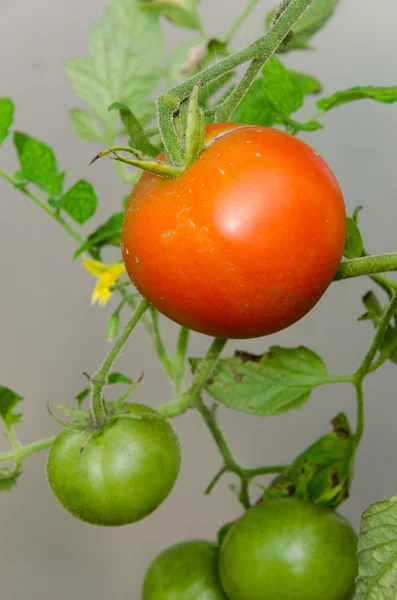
<point x="188" y="570"/>
<point x="235" y="229"/>
<point x="242" y="244"/>
<point x="289" y="549"/>
<point x="118" y="474"/>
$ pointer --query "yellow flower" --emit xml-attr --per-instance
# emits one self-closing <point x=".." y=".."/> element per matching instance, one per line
<point x="107" y="275"/>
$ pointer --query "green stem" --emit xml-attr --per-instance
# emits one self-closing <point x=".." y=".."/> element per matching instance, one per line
<point x="190" y="397"/>
<point x="180" y="360"/>
<point x="48" y="209"/>
<point x="360" y="413"/>
<point x="240" y="20"/>
<point x="225" y="110"/>
<point x="383" y="324"/>
<point x="229" y="463"/>
<point x="368" y="265"/>
<point x="99" y="380"/>
<point x="17" y="455"/>
<point x="169" y="102"/>
<point x="159" y="344"/>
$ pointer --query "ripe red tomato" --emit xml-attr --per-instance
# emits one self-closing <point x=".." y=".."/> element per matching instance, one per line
<point x="245" y="242"/>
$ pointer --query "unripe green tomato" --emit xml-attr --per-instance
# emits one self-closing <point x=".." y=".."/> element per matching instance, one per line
<point x="186" y="571"/>
<point x="288" y="549"/>
<point x="123" y="473"/>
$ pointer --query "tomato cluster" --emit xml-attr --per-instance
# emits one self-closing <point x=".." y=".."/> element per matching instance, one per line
<point x="284" y="549"/>
<point x="242" y="244"/>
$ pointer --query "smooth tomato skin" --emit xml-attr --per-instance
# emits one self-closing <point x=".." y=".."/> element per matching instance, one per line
<point x="288" y="549"/>
<point x="187" y="571"/>
<point x="123" y="474"/>
<point x="245" y="242"/>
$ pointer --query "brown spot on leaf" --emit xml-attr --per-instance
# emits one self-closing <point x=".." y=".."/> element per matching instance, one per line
<point x="247" y="356"/>
<point x="339" y="429"/>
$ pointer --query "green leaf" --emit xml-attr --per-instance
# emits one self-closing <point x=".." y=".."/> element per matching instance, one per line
<point x="6" y="117"/>
<point x="387" y="95"/>
<point x="137" y="136"/>
<point x="283" y="90"/>
<point x="354" y="246"/>
<point x="108" y="234"/>
<point x="125" y="49"/>
<point x="266" y="385"/>
<point x="388" y="347"/>
<point x="119" y="378"/>
<point x="377" y="552"/>
<point x="8" y="478"/>
<point x="309" y="83"/>
<point x="8" y="402"/>
<point x="38" y="164"/>
<point x="315" y="17"/>
<point x="293" y="126"/>
<point x="322" y="472"/>
<point x="272" y="98"/>
<point x="80" y="201"/>
<point x="86" y="126"/>
<point x="255" y="108"/>
<point x="181" y="12"/>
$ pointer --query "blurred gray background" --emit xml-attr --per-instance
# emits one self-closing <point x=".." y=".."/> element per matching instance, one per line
<point x="50" y="334"/>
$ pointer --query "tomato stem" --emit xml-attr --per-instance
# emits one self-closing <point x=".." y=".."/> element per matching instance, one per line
<point x="17" y="455"/>
<point x="230" y="464"/>
<point x="169" y="102"/>
<point x="99" y="380"/>
<point x="368" y="265"/>
<point x="190" y="397"/>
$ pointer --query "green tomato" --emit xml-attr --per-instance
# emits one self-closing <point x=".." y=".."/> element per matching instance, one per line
<point x="186" y="571"/>
<point x="118" y="475"/>
<point x="288" y="549"/>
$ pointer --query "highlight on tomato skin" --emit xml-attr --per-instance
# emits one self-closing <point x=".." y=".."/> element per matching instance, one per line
<point x="245" y="242"/>
<point x="289" y="549"/>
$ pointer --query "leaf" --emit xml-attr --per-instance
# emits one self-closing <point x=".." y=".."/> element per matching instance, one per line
<point x="315" y="17"/>
<point x="272" y="98"/>
<point x="278" y="381"/>
<point x="8" y="402"/>
<point x="7" y="109"/>
<point x="108" y="234"/>
<point x="309" y="83"/>
<point x="119" y="378"/>
<point x="283" y="90"/>
<point x="377" y="552"/>
<point x="8" y="478"/>
<point x="86" y="126"/>
<point x="80" y="201"/>
<point x="387" y="95"/>
<point x="38" y="164"/>
<point x="125" y="49"/>
<point x="322" y="472"/>
<point x="181" y="12"/>
<point x="293" y="126"/>
<point x="354" y="246"/>
<point x="254" y="108"/>
<point x="137" y="136"/>
<point x="388" y="347"/>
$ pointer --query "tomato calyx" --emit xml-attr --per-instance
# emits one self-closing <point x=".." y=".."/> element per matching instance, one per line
<point x="190" y="125"/>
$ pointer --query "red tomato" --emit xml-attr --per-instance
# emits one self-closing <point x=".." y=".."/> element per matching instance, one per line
<point x="245" y="242"/>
